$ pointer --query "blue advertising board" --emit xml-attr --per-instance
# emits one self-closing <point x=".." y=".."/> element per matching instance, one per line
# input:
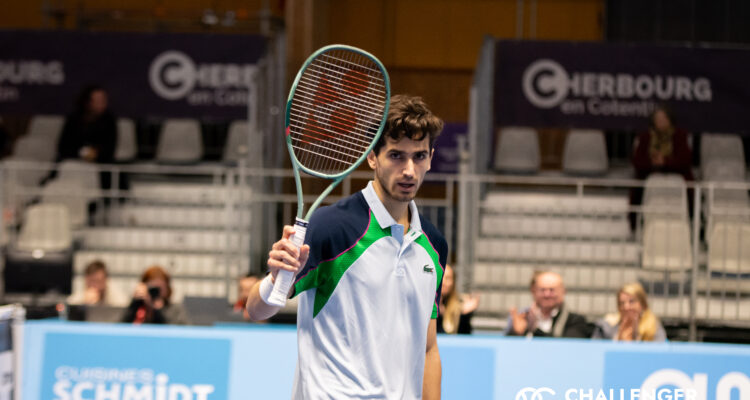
<point x="82" y="365"/>
<point x="699" y="375"/>
<point x="77" y="361"/>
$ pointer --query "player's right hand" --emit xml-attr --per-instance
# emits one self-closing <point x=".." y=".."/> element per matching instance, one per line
<point x="285" y="255"/>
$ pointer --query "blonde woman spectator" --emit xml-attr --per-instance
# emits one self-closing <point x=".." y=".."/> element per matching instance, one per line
<point x="456" y="309"/>
<point x="633" y="321"/>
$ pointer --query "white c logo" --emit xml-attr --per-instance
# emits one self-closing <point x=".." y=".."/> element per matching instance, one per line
<point x="545" y="83"/>
<point x="536" y="394"/>
<point x="172" y="75"/>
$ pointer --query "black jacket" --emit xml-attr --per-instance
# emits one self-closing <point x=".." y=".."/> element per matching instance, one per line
<point x="574" y="326"/>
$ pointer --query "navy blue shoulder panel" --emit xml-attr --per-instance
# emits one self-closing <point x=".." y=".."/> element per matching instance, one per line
<point x="334" y="229"/>
<point x="436" y="238"/>
<point x="441" y="246"/>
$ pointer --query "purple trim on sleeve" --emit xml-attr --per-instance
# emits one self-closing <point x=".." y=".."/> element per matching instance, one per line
<point x="369" y="221"/>
<point x="437" y="306"/>
<point x="433" y="248"/>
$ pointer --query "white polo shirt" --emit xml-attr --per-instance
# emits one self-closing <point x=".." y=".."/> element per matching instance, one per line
<point x="366" y="297"/>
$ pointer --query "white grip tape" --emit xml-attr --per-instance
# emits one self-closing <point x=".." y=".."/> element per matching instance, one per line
<point x="266" y="288"/>
<point x="284" y="278"/>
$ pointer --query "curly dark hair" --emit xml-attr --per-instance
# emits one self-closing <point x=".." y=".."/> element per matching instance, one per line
<point x="408" y="116"/>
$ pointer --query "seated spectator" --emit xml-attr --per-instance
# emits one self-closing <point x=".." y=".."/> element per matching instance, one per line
<point x="90" y="131"/>
<point x="633" y="321"/>
<point x="548" y="315"/>
<point x="97" y="291"/>
<point x="151" y="301"/>
<point x="663" y="148"/>
<point x="90" y="134"/>
<point x="456" y="309"/>
<point x="246" y="284"/>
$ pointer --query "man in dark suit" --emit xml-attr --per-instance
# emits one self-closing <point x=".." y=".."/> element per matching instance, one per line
<point x="548" y="315"/>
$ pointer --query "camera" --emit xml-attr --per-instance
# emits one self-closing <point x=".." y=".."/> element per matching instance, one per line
<point x="154" y="292"/>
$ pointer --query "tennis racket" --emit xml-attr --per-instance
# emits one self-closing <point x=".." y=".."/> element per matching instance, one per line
<point x="335" y="114"/>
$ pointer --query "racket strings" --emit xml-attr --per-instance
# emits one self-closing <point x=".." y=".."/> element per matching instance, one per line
<point x="336" y="110"/>
<point x="318" y="92"/>
<point x="359" y="134"/>
<point x="328" y="91"/>
<point x="355" y="81"/>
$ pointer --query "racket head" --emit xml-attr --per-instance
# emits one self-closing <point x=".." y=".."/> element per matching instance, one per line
<point x="336" y="110"/>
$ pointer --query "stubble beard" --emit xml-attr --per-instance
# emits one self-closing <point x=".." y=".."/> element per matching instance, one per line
<point x="390" y="193"/>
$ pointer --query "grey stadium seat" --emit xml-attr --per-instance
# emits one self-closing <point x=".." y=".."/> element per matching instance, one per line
<point x="127" y="143"/>
<point x="47" y="127"/>
<point x="722" y="157"/>
<point x="585" y="153"/>
<point x="237" y="139"/>
<point x="180" y="142"/>
<point x="518" y="150"/>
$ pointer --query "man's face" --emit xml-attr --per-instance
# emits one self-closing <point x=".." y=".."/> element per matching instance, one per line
<point x="400" y="167"/>
<point x="548" y="292"/>
<point x="96" y="280"/>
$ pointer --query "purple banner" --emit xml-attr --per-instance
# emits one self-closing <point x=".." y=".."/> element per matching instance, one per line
<point x="163" y="75"/>
<point x="616" y="86"/>
<point x="446" y="148"/>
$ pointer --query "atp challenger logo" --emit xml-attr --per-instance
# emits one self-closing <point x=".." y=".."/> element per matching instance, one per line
<point x="530" y="393"/>
<point x="546" y="84"/>
<point x="173" y="75"/>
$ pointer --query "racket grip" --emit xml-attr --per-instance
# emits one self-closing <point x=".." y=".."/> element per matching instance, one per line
<point x="284" y="278"/>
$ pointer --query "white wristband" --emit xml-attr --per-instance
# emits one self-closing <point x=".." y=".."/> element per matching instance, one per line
<point x="265" y="289"/>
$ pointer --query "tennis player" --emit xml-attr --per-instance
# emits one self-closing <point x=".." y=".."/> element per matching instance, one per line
<point x="369" y="277"/>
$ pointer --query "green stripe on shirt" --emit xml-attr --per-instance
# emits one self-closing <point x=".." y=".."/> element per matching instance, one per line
<point x="327" y="274"/>
<point x="425" y="243"/>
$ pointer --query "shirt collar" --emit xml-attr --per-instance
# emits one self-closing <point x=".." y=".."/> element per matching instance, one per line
<point x="385" y="219"/>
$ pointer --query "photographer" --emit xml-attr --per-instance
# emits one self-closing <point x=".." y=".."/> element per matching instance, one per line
<point x="150" y="304"/>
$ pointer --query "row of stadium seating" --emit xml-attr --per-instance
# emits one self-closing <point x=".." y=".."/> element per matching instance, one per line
<point x="184" y="227"/>
<point x="586" y="237"/>
<point x="180" y="141"/>
<point x="585" y="154"/>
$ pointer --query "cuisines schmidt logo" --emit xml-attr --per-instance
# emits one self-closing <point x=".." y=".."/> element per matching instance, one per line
<point x="546" y="84"/>
<point x="125" y="384"/>
<point x="173" y="75"/>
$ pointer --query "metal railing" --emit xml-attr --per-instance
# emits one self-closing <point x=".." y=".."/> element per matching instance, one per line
<point x="221" y="220"/>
